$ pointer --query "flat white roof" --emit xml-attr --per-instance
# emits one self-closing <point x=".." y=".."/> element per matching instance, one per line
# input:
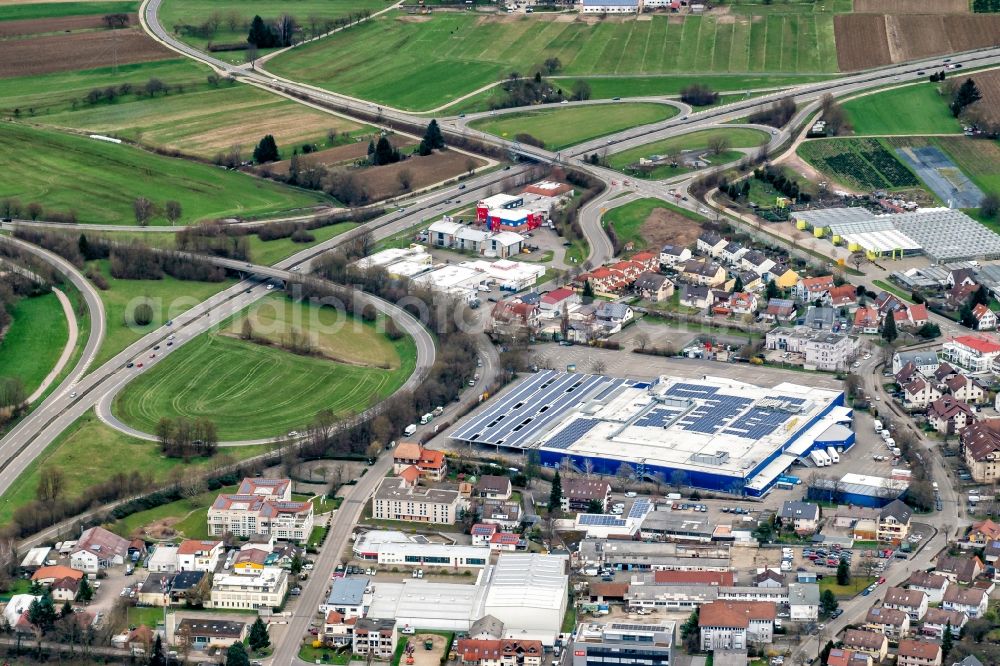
<point x="512" y="214"/>
<point x="394" y="254"/>
<point x="714" y="425"/>
<point x="508" y="238"/>
<point x="370" y="541"/>
<point x="451" y="275"/>
<point x="882" y="241"/>
<point x="434" y="549"/>
<point x="445" y="226"/>
<point x="407" y="268"/>
<point x="413" y="600"/>
<point x="528" y="580"/>
<point x="499" y="200"/>
<point x="507" y="270"/>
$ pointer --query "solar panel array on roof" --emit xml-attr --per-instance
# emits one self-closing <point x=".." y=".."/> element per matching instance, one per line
<point x="658" y="417"/>
<point x="568" y="436"/>
<point x="523" y="415"/>
<point x="600" y="519"/>
<point x="639" y="508"/>
<point x="757" y="423"/>
<point x="710" y="417"/>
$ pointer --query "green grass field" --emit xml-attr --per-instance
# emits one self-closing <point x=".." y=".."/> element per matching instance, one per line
<point x="90" y="452"/>
<point x="36" y="338"/>
<point x="421" y="64"/>
<point x="916" y="109"/>
<point x="737" y="137"/>
<point x="100" y="180"/>
<point x="205" y="121"/>
<point x="628" y="219"/>
<point x="170" y="297"/>
<point x="36" y="96"/>
<point x="53" y="9"/>
<point x="255" y="391"/>
<point x="234" y="19"/>
<point x="563" y="127"/>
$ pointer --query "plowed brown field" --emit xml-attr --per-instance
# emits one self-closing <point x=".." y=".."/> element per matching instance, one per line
<point x="911" y="6"/>
<point x="58" y="24"/>
<point x="871" y="40"/>
<point x="861" y="41"/>
<point x="83" y="50"/>
<point x="989" y="85"/>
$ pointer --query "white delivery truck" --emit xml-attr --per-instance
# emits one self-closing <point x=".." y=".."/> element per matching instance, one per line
<point x="410" y="430"/>
<point x="834" y="456"/>
<point x="826" y="459"/>
<point x="878" y="426"/>
<point x="817" y="458"/>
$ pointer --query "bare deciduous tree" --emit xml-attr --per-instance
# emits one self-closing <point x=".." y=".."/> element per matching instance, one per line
<point x="143" y="209"/>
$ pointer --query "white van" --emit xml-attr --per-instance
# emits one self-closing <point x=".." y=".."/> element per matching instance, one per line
<point x="878" y="426"/>
<point x="410" y="430"/>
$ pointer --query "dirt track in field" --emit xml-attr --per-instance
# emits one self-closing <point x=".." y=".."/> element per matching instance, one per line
<point x="60" y="24"/>
<point x="872" y="40"/>
<point x="83" y="50"/>
<point x="911" y="6"/>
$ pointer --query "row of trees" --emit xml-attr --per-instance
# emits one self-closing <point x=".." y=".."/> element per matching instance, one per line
<point x="776" y="114"/>
<point x="11" y="207"/>
<point x="698" y="94"/>
<point x="185" y="438"/>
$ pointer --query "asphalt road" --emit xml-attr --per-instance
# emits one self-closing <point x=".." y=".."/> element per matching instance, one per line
<point x="424" y="341"/>
<point x="27" y="441"/>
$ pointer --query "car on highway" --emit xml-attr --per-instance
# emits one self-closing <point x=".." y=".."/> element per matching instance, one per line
<point x="156" y="347"/>
<point x="129" y="365"/>
<point x="462" y="186"/>
<point x="270" y="287"/>
<point x="170" y="343"/>
<point x="565" y="101"/>
<point x="921" y="73"/>
<point x="774" y="132"/>
<point x="170" y="322"/>
<point x="152" y="355"/>
<point x="72" y="394"/>
<point x="138" y="365"/>
<point x="295" y="269"/>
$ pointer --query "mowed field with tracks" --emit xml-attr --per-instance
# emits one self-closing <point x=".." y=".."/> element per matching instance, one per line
<point x="252" y="390"/>
<point x="420" y="62"/>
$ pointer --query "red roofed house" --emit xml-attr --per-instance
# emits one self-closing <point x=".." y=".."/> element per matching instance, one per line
<point x="811" y="289"/>
<point x="872" y="643"/>
<point x="981" y="533"/>
<point x="866" y="320"/>
<point x="65" y="589"/>
<point x="844" y="296"/>
<point x="261" y="506"/>
<point x="431" y="464"/>
<point x="948" y="415"/>
<point x="975" y="353"/>
<point x="986" y="319"/>
<point x="482" y="533"/>
<point x="603" y="280"/>
<point x="648" y="260"/>
<point x="743" y="303"/>
<point x="918" y="653"/>
<point x="734" y="625"/>
<point x="198" y="555"/>
<point x="504" y="652"/>
<point x="506" y="541"/>
<point x="842" y="657"/>
<point x="515" y="318"/>
<point x="49" y="575"/>
<point x="337" y="629"/>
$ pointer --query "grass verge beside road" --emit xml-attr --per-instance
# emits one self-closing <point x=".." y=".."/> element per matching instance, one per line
<point x="34" y="341"/>
<point x="734" y="137"/>
<point x="89" y="452"/>
<point x="916" y="109"/>
<point x="560" y="128"/>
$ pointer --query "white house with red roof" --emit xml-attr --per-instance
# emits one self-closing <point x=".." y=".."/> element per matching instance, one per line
<point x="975" y="353"/>
<point x="948" y="415"/>
<point x="844" y="296"/>
<point x="986" y="319"/>
<point x="430" y="464"/>
<point x="919" y="392"/>
<point x="554" y="300"/>
<point x="810" y="289"/>
<point x="866" y="320"/>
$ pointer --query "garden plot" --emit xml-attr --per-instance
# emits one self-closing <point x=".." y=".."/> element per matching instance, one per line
<point x="939" y="173"/>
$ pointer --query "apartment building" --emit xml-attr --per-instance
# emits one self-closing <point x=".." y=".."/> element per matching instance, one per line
<point x="396" y="499"/>
<point x="199" y="555"/>
<point x="734" y="625"/>
<point x="265" y="589"/>
<point x="499" y="652"/>
<point x="893" y="623"/>
<point x="624" y="644"/>
<point x="971" y="601"/>
<point x="894" y="522"/>
<point x="980" y="445"/>
<point x="430" y="464"/>
<point x="822" y="350"/>
<point x="377" y="637"/>
<point x="261" y="507"/>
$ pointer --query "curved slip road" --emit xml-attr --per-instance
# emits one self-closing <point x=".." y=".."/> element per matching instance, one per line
<point x="424" y="341"/>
